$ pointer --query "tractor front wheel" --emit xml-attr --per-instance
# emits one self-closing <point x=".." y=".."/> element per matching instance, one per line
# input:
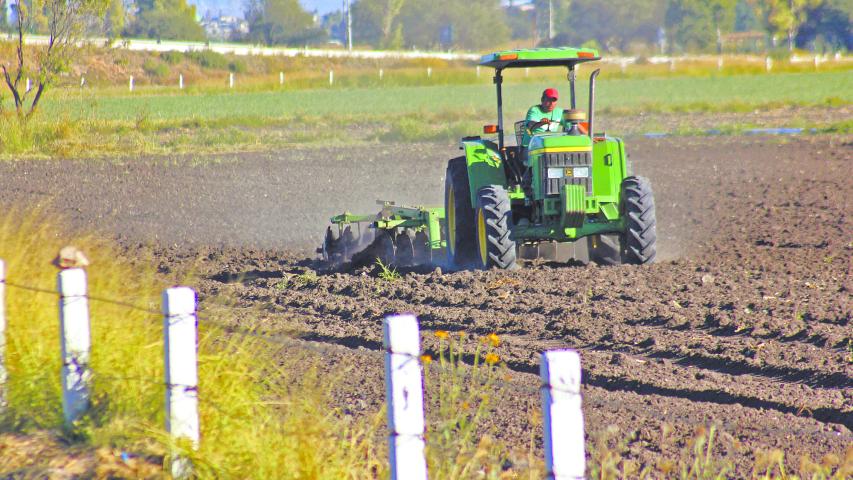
<point x="494" y="218"/>
<point x="461" y="246"/>
<point x="638" y="208"/>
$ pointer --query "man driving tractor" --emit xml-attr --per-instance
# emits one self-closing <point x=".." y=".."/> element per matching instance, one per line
<point x="545" y="117"/>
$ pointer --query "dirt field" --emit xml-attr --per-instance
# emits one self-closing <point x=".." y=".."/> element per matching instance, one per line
<point x="744" y="322"/>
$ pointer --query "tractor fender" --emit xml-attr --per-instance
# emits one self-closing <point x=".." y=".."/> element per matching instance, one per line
<point x="485" y="165"/>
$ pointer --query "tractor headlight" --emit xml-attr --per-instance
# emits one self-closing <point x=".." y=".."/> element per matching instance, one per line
<point x="557" y="172"/>
<point x="581" y="172"/>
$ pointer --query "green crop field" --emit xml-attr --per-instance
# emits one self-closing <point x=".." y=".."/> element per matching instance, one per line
<point x="107" y="121"/>
<point x="665" y="94"/>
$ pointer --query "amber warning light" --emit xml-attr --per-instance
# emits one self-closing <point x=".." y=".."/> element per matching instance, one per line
<point x="490" y="129"/>
<point x="508" y="56"/>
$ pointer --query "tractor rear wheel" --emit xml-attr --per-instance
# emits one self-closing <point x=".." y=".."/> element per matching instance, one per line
<point x="638" y="209"/>
<point x="461" y="245"/>
<point x="494" y="218"/>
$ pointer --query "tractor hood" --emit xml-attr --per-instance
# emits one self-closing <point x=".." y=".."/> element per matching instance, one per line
<point x="559" y="143"/>
<point x="539" y="57"/>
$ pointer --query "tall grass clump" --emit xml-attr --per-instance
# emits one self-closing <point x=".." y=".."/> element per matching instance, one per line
<point x="462" y="400"/>
<point x="261" y="416"/>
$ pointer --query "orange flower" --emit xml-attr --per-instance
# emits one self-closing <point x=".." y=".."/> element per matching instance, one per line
<point x="494" y="339"/>
<point x="442" y="334"/>
<point x="426" y="359"/>
<point x="492" y="358"/>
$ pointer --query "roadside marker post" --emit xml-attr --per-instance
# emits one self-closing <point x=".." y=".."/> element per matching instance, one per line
<point x="29" y="85"/>
<point x="478" y="71"/>
<point x="768" y="63"/>
<point x="75" y="341"/>
<point x="381" y="74"/>
<point x="429" y="72"/>
<point x="180" y="336"/>
<point x="281" y="78"/>
<point x="562" y="415"/>
<point x="405" y="396"/>
<point x="331" y="77"/>
<point x="3" y="374"/>
<point x="231" y="80"/>
<point x="181" y="81"/>
<point x="130" y="83"/>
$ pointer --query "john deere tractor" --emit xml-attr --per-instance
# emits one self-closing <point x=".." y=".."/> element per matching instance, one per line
<point x="566" y="194"/>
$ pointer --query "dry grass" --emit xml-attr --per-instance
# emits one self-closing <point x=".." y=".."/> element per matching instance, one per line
<point x="248" y="401"/>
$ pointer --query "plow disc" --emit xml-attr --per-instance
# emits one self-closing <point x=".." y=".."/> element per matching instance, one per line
<point x="401" y="236"/>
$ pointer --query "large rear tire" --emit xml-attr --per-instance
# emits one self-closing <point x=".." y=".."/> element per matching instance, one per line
<point x="494" y="218"/>
<point x="461" y="244"/>
<point x="639" y="241"/>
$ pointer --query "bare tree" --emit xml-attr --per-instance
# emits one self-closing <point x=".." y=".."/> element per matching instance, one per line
<point x="65" y="21"/>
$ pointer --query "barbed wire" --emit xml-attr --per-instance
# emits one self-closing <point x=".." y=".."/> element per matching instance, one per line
<point x="457" y="361"/>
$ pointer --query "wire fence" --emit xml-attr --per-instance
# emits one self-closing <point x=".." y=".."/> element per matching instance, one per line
<point x="438" y="361"/>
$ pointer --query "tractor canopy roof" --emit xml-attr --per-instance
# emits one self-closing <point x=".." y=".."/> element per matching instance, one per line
<point x="539" y="57"/>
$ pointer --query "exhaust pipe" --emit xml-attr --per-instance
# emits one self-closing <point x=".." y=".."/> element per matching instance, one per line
<point x="592" y="101"/>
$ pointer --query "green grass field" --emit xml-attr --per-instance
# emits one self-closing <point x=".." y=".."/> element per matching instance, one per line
<point x="87" y="122"/>
<point x="664" y="94"/>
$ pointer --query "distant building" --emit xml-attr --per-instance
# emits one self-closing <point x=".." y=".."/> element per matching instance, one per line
<point x="225" y="27"/>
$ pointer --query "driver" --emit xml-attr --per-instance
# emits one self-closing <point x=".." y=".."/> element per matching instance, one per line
<point x="545" y="117"/>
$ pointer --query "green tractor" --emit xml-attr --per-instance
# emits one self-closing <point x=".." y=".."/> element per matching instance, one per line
<point x="558" y="195"/>
<point x="567" y="194"/>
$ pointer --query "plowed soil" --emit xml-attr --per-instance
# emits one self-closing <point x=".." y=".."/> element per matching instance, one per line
<point x="743" y="323"/>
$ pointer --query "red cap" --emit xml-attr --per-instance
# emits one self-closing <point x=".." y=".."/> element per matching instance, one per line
<point x="551" y="93"/>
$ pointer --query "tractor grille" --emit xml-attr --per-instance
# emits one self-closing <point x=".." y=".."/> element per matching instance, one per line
<point x="552" y="186"/>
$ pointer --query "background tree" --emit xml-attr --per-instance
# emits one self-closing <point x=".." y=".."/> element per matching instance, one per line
<point x="827" y="26"/>
<point x="377" y="22"/>
<point x="115" y="18"/>
<point x="4" y="23"/>
<point x="698" y="24"/>
<point x="613" y="25"/>
<point x="165" y="19"/>
<point x="471" y="24"/>
<point x="66" y="22"/>
<point x="275" y="22"/>
<point x="784" y="17"/>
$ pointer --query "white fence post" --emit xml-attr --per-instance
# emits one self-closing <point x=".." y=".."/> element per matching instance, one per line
<point x="331" y="77"/>
<point x="381" y="74"/>
<point x="230" y="80"/>
<point x="429" y="72"/>
<point x="478" y="71"/>
<point x="3" y="396"/>
<point x="281" y="78"/>
<point x="404" y="392"/>
<point x="180" y="332"/>
<point x="181" y="81"/>
<point x="76" y="342"/>
<point x="29" y="85"/>
<point x="130" y="83"/>
<point x="768" y="64"/>
<point x="562" y="415"/>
